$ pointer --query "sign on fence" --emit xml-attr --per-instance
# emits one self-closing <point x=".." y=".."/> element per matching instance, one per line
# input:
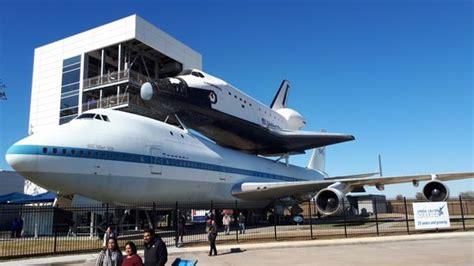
<point x="431" y="215"/>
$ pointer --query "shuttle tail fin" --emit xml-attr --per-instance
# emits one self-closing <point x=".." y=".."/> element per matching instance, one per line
<point x="281" y="98"/>
<point x="318" y="159"/>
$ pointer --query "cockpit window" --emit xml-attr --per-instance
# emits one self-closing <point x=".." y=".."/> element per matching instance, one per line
<point x="86" y="116"/>
<point x="197" y="74"/>
<point x="185" y="72"/>
<point x="94" y="116"/>
<point x="191" y="72"/>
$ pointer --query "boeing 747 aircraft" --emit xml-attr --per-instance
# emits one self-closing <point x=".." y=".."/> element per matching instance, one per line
<point x="232" y="118"/>
<point x="122" y="158"/>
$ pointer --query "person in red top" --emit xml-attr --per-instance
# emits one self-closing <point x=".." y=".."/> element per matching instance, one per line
<point x="132" y="258"/>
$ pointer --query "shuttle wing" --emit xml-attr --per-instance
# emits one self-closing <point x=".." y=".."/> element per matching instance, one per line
<point x="299" y="141"/>
<point x="252" y="138"/>
<point x="254" y="191"/>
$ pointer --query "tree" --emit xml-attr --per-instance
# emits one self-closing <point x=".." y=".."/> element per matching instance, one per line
<point x="419" y="196"/>
<point x="467" y="194"/>
<point x="399" y="197"/>
<point x="3" y="87"/>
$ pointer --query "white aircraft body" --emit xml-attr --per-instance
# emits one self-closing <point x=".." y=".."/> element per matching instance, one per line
<point x="232" y="118"/>
<point x="122" y="158"/>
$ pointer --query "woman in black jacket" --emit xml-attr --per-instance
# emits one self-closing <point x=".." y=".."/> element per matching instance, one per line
<point x="211" y="236"/>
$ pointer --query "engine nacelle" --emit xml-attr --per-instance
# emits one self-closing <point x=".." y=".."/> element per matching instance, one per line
<point x="294" y="119"/>
<point x="436" y="191"/>
<point x="329" y="201"/>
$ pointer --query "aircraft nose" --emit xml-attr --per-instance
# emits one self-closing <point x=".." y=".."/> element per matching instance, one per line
<point x="21" y="157"/>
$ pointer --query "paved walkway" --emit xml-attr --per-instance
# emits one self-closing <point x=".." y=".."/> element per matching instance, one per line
<point x="427" y="249"/>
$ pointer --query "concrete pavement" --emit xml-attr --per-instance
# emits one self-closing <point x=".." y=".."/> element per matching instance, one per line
<point x="427" y="249"/>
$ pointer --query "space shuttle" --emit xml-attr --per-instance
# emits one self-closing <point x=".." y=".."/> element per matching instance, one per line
<point x="232" y="118"/>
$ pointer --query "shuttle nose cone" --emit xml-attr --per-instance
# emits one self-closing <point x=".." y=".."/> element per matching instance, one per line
<point x="146" y="91"/>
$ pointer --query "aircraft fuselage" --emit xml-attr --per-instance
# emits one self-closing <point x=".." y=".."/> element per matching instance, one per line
<point x="131" y="159"/>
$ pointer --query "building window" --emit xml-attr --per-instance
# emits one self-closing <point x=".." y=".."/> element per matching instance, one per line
<point x="70" y="89"/>
<point x="69" y="102"/>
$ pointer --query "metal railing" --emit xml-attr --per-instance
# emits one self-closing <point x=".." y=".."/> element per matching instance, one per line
<point x="53" y="230"/>
<point x="107" y="102"/>
<point x="113" y="77"/>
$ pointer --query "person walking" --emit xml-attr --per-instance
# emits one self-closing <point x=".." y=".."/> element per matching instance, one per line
<point x="181" y="226"/>
<point x="155" y="249"/>
<point x="211" y="236"/>
<point x="72" y="228"/>
<point x="109" y="233"/>
<point x="226" y="220"/>
<point x="132" y="258"/>
<point x="110" y="255"/>
<point x="19" y="229"/>
<point x="14" y="228"/>
<point x="241" y="221"/>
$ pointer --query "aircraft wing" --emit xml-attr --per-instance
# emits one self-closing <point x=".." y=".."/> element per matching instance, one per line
<point x="254" y="191"/>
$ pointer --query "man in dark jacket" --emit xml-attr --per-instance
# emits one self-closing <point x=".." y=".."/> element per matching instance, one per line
<point x="155" y="249"/>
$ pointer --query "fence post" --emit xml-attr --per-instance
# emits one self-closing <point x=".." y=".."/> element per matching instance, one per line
<point x="274" y="222"/>
<point x="406" y="215"/>
<point x="310" y="219"/>
<point x="153" y="218"/>
<point x="236" y="222"/>
<point x="175" y="224"/>
<point x="55" y="230"/>
<point x="344" y="216"/>
<point x="376" y="217"/>
<point x="106" y="216"/>
<point x="462" y="213"/>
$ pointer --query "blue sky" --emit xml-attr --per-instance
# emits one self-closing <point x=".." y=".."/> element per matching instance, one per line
<point x="398" y="75"/>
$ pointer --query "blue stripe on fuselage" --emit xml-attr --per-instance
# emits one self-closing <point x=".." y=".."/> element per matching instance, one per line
<point x="137" y="158"/>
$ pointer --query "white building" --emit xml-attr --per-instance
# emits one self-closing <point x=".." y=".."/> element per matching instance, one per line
<point x="102" y="67"/>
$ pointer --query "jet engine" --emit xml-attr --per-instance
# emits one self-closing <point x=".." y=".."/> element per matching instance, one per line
<point x="436" y="191"/>
<point x="329" y="201"/>
<point x="294" y="119"/>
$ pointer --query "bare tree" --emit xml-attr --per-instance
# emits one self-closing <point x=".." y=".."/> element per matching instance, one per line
<point x="467" y="194"/>
<point x="419" y="196"/>
<point x="3" y="88"/>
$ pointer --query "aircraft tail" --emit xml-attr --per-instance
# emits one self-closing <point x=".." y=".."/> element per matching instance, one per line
<point x="318" y="160"/>
<point x="281" y="98"/>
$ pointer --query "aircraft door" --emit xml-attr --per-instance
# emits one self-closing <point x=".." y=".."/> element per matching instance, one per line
<point x="156" y="163"/>
<point x="223" y="175"/>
